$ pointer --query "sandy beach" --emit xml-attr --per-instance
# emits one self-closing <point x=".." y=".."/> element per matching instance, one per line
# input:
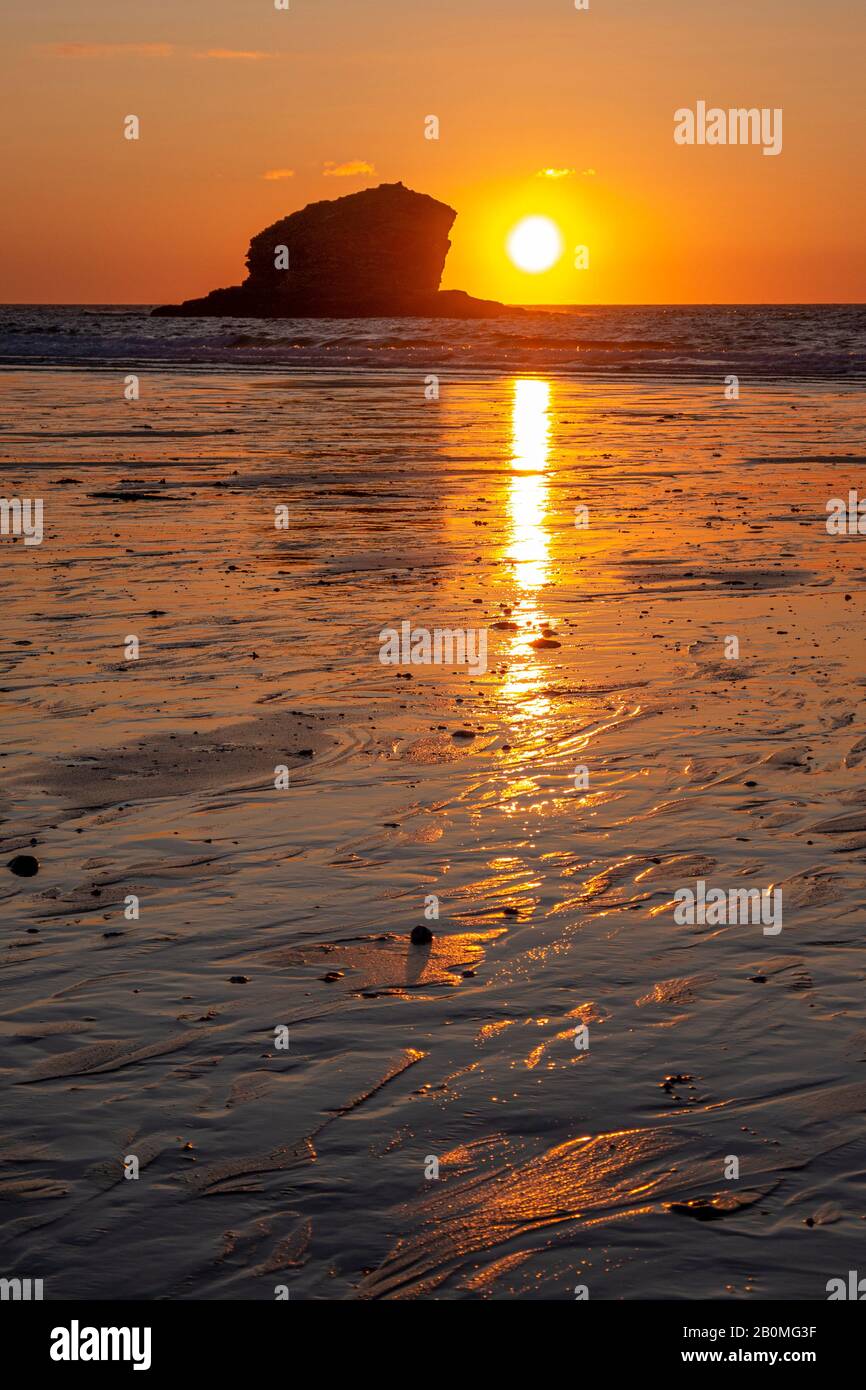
<point x="263" y="908"/>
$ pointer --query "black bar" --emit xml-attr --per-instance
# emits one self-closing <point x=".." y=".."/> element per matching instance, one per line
<point x="221" y="1339"/>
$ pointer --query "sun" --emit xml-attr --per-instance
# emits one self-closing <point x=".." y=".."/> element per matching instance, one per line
<point x="535" y="244"/>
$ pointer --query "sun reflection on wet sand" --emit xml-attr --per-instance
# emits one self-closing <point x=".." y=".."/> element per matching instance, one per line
<point x="589" y="1180"/>
<point x="528" y="488"/>
<point x="528" y="547"/>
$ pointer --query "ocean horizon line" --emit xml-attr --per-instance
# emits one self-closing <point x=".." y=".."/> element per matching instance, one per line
<point x="588" y="304"/>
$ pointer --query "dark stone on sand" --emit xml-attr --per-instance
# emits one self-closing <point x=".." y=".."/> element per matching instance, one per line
<point x="24" y="865"/>
<point x="239" y="979"/>
<point x="677" y="1079"/>
<point x="421" y="936"/>
<point x="378" y="253"/>
<point x="699" y="1209"/>
<point x="333" y="975"/>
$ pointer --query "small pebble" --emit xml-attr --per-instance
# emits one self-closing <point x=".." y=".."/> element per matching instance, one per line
<point x="24" y="865"/>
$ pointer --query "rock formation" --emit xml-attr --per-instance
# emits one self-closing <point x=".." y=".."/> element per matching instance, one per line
<point x="377" y="253"/>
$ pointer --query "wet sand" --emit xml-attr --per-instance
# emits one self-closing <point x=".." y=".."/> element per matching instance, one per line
<point x="262" y="907"/>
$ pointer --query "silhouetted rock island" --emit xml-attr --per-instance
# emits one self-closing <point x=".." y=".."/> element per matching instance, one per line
<point x="377" y="253"/>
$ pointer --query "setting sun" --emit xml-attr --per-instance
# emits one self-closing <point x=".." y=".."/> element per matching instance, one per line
<point x="535" y="244"/>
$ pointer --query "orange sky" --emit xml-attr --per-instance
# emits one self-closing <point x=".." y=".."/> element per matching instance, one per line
<point x="228" y="91"/>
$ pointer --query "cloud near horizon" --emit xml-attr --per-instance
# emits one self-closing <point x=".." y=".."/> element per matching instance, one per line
<point x="236" y="54"/>
<point x="351" y="169"/>
<point x="563" y="173"/>
<point x="272" y="174"/>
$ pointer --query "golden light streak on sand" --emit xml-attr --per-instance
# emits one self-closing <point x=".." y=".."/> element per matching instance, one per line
<point x="528" y="546"/>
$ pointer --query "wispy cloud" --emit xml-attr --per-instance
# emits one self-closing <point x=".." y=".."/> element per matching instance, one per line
<point x="350" y="170"/>
<point x="273" y="174"/>
<point x="240" y="55"/>
<point x="564" y="173"/>
<point x="112" y="50"/>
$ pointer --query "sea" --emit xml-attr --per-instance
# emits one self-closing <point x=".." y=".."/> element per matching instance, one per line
<point x="795" y="341"/>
